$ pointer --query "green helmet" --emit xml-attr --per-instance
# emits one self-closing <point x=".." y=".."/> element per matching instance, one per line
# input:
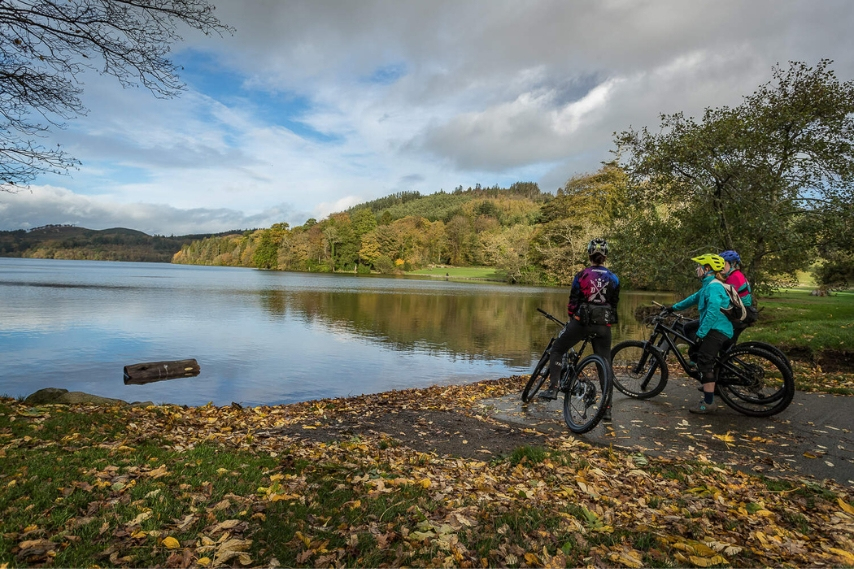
<point x="716" y="262"/>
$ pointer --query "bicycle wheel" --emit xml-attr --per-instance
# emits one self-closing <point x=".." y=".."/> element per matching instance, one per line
<point x="586" y="395"/>
<point x="538" y="378"/>
<point x="769" y="348"/>
<point x="754" y="382"/>
<point x="639" y="370"/>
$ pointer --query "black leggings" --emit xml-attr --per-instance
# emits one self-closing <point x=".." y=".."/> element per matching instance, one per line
<point x="572" y="333"/>
<point x="691" y="328"/>
<point x="707" y="350"/>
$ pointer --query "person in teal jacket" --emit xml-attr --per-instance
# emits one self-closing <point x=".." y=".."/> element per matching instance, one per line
<point x="714" y="329"/>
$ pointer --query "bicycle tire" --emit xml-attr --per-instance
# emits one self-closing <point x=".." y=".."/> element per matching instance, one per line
<point x="640" y="371"/>
<point x="754" y="382"/>
<point x="768" y="348"/>
<point x="587" y="394"/>
<point x="537" y="379"/>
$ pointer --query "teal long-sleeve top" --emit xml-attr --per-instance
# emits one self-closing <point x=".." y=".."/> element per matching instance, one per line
<point x="709" y="300"/>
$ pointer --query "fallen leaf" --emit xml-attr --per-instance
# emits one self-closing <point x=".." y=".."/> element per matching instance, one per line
<point x="708" y="561"/>
<point x="158" y="472"/>
<point x="848" y="557"/>
<point x="35" y="548"/>
<point x="727" y="438"/>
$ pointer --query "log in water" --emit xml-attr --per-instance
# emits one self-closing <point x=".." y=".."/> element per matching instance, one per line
<point x="157" y="371"/>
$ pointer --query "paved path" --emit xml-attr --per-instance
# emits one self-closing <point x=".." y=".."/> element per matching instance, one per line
<point x="813" y="437"/>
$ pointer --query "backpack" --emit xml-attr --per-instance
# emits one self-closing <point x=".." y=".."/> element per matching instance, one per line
<point x="736" y="311"/>
<point x="596" y="314"/>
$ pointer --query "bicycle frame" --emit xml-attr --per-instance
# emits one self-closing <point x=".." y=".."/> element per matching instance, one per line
<point x="669" y="336"/>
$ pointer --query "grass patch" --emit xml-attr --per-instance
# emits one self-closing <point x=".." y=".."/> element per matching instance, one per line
<point x="475" y="273"/>
<point x="528" y="455"/>
<point x="813" y="324"/>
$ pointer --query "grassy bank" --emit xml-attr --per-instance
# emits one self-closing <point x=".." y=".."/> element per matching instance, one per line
<point x="797" y="321"/>
<point x="178" y="487"/>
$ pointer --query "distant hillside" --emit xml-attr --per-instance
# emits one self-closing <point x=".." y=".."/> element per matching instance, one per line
<point x="70" y="242"/>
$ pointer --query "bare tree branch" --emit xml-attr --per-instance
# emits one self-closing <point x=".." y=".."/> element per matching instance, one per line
<point x="46" y="44"/>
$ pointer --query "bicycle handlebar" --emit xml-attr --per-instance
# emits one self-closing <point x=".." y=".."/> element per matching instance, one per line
<point x="664" y="311"/>
<point x="550" y="317"/>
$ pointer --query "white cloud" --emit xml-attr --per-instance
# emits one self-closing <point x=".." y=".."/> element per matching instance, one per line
<point x="289" y="123"/>
<point x="45" y="205"/>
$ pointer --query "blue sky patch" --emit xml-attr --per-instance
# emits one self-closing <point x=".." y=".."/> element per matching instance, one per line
<point x="286" y="109"/>
<point x="388" y="74"/>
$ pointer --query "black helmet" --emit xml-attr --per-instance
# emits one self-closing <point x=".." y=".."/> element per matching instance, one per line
<point x="597" y="245"/>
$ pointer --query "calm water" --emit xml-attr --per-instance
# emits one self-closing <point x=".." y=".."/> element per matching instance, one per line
<point x="263" y="337"/>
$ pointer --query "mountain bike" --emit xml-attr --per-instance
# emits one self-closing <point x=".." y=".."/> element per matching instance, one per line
<point x="751" y="378"/>
<point x="681" y="321"/>
<point x="585" y="383"/>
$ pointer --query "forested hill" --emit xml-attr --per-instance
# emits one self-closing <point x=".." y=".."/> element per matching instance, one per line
<point x="70" y="242"/>
<point x="528" y="235"/>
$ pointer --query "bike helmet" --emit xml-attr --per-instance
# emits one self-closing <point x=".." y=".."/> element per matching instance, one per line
<point x="731" y="257"/>
<point x="716" y="262"/>
<point x="597" y="245"/>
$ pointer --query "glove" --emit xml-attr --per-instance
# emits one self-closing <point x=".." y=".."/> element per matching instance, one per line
<point x="669" y="309"/>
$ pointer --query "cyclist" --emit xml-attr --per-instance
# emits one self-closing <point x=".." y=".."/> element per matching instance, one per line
<point x="714" y="328"/>
<point x="592" y="308"/>
<point x="734" y="277"/>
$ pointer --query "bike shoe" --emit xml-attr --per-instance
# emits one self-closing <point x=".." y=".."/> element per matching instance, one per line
<point x="607" y="415"/>
<point x="702" y="408"/>
<point x="549" y="394"/>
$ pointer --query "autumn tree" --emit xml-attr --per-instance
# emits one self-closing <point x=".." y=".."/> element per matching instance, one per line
<point x="459" y="234"/>
<point x="581" y="211"/>
<point x="45" y="45"/>
<point x="763" y="177"/>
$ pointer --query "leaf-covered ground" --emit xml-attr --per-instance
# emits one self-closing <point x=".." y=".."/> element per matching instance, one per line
<point x="415" y="478"/>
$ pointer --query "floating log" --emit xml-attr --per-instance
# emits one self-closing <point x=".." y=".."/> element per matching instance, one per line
<point x="157" y="371"/>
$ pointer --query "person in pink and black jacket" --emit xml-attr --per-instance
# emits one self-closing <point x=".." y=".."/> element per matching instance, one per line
<point x="734" y="277"/>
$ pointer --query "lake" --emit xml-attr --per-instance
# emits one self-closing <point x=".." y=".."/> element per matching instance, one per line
<point x="265" y="337"/>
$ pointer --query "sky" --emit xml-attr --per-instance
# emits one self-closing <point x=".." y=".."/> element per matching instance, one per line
<point x="313" y="106"/>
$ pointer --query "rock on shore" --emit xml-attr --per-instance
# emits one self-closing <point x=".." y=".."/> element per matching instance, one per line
<point x="65" y="397"/>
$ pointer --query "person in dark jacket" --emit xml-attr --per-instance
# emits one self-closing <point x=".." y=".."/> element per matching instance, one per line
<point x="592" y="308"/>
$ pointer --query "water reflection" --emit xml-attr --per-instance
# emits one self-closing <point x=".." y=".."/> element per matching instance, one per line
<point x="496" y="326"/>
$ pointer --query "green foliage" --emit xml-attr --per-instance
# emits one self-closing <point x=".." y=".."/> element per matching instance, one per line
<point x="266" y="254"/>
<point x="759" y="178"/>
<point x="386" y="202"/>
